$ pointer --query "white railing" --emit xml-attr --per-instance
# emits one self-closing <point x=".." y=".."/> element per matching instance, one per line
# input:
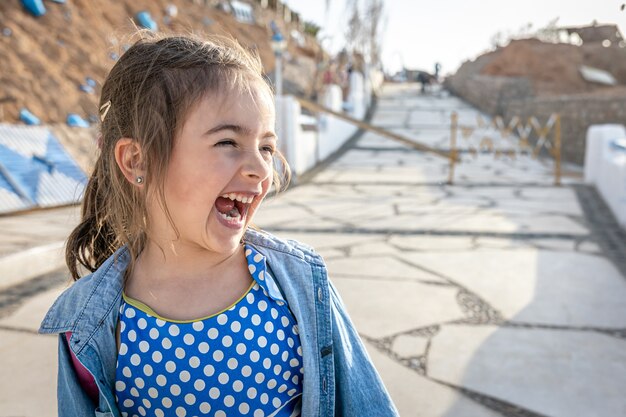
<point x="605" y="166"/>
<point x="307" y="140"/>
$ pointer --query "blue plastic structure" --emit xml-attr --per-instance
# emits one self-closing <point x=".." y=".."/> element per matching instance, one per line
<point x="145" y="20"/>
<point x="34" y="7"/>
<point x="36" y="170"/>
<point x="74" y="120"/>
<point x="86" y="88"/>
<point x="29" y="118"/>
<point x="619" y="144"/>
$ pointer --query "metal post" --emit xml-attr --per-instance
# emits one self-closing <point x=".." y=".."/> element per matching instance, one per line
<point x="454" y="117"/>
<point x="557" y="150"/>
<point x="279" y="73"/>
<point x="279" y="44"/>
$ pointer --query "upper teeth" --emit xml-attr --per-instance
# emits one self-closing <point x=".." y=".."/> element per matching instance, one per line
<point x="239" y="197"/>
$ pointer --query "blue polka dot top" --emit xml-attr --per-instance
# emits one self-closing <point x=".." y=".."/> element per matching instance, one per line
<point x="243" y="361"/>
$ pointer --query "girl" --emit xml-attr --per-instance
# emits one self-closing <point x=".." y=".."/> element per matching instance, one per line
<point x="187" y="310"/>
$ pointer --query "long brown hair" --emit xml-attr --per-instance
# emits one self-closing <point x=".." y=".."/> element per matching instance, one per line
<point x="146" y="97"/>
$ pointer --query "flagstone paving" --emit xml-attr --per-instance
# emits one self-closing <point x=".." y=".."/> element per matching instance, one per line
<point x="500" y="295"/>
<point x="25" y="230"/>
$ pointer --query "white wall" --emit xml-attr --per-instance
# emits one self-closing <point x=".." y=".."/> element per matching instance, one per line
<point x="305" y="149"/>
<point x="332" y="131"/>
<point x="605" y="166"/>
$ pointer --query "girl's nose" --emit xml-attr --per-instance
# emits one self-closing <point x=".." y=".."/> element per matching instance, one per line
<point x="255" y="166"/>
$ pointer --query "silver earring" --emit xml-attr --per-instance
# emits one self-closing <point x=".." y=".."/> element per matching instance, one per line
<point x="139" y="180"/>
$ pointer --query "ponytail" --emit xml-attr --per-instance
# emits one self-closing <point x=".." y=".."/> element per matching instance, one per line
<point x="94" y="239"/>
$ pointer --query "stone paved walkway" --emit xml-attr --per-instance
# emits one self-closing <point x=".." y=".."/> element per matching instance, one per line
<point x="26" y="230"/>
<point x="495" y="296"/>
<point x="498" y="296"/>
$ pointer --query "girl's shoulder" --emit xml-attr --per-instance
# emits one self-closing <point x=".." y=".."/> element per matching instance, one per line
<point x="269" y="244"/>
<point x="93" y="294"/>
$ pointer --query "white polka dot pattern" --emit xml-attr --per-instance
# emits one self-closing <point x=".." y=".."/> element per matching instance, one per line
<point x="245" y="361"/>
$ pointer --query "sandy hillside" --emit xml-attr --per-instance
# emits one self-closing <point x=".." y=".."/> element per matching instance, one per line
<point x="554" y="68"/>
<point x="45" y="60"/>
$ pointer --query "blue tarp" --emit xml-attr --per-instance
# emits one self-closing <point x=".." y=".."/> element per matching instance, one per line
<point x="35" y="170"/>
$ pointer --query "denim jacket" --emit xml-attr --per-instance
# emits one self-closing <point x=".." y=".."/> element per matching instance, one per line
<point x="339" y="378"/>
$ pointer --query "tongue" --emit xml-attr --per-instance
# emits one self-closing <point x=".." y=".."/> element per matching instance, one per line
<point x="224" y="205"/>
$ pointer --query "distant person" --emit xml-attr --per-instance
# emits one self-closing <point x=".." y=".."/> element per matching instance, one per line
<point x="437" y="71"/>
<point x="422" y="78"/>
<point x="344" y="81"/>
<point x="330" y="74"/>
<point x="187" y="309"/>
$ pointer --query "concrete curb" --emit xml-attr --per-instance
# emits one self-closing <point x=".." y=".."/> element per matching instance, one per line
<point x="30" y="263"/>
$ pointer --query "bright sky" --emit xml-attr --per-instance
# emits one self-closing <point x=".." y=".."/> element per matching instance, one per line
<point x="420" y="33"/>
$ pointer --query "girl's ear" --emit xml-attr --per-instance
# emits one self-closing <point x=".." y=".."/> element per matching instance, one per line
<point x="129" y="158"/>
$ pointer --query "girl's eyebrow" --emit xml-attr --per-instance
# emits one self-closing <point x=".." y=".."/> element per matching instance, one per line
<point x="226" y="126"/>
<point x="237" y="129"/>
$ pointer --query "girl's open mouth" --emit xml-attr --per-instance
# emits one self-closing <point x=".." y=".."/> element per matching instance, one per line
<point x="233" y="208"/>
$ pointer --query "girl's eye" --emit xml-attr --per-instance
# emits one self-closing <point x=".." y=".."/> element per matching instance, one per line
<point x="226" y="142"/>
<point x="269" y="149"/>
